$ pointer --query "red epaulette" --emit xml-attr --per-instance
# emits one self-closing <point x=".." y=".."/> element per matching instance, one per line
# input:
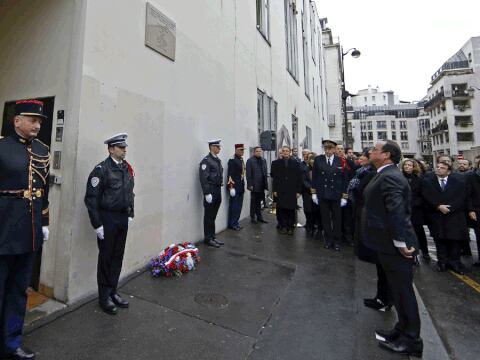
<point x="130" y="169"/>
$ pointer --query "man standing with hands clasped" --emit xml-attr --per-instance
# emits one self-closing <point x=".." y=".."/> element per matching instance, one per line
<point x="236" y="185"/>
<point x="211" y="180"/>
<point x="387" y="229"/>
<point x="109" y="200"/>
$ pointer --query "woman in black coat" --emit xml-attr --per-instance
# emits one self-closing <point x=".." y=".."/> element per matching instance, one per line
<point x="411" y="171"/>
<point x="382" y="301"/>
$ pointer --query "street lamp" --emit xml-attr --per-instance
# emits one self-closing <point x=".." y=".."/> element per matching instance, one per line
<point x="345" y="94"/>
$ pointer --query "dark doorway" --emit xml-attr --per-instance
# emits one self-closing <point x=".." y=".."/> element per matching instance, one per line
<point x="45" y="136"/>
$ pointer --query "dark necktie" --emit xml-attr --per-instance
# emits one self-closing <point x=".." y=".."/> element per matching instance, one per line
<point x="444" y="184"/>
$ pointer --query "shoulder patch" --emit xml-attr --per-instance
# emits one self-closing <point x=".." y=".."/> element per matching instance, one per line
<point x="48" y="147"/>
<point x="204" y="166"/>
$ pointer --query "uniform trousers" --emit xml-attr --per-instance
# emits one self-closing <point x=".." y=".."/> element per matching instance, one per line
<point x="256" y="199"/>
<point x="331" y="214"/>
<point x="286" y="218"/>
<point x="399" y="273"/>
<point x="210" y="213"/>
<point x="110" y="252"/>
<point x="15" y="274"/>
<point x="235" y="209"/>
<point x="448" y="251"/>
<point x="347" y="222"/>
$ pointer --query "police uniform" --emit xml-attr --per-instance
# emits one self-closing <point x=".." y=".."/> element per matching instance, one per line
<point x="24" y="220"/>
<point x="211" y="180"/>
<point x="330" y="186"/>
<point x="110" y="202"/>
<point x="236" y="181"/>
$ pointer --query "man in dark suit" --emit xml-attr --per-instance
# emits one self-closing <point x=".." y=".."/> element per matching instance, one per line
<point x="287" y="187"/>
<point x="329" y="184"/>
<point x="446" y="197"/>
<point x="236" y="185"/>
<point x="387" y="229"/>
<point x="257" y="183"/>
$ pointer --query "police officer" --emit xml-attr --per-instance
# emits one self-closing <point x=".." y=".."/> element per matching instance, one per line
<point x="211" y="180"/>
<point x="24" y="220"/>
<point x="329" y="192"/>
<point x="236" y="185"/>
<point x="109" y="200"/>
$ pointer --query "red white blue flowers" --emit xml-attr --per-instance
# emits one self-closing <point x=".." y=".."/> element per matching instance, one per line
<point x="175" y="260"/>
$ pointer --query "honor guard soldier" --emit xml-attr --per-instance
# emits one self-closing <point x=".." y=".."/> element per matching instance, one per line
<point x="236" y="185"/>
<point x="211" y="179"/>
<point x="329" y="184"/>
<point x="109" y="200"/>
<point x="24" y="220"/>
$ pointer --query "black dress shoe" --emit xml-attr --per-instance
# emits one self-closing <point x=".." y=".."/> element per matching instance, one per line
<point x="117" y="300"/>
<point x="327" y="246"/>
<point x="212" y="243"/>
<point x="21" y="353"/>
<point x="477" y="264"/>
<point x="290" y="232"/>
<point x="263" y="221"/>
<point x="387" y="335"/>
<point x="377" y="304"/>
<point x="283" y="231"/>
<point x="253" y="221"/>
<point x="404" y="345"/>
<point x="458" y="268"/>
<point x="337" y="247"/>
<point x="441" y="267"/>
<point x="108" y="306"/>
<point x="219" y="242"/>
<point x="426" y="257"/>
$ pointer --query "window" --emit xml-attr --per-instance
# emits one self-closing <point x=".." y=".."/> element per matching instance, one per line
<point x="266" y="119"/>
<point x="306" y="61"/>
<point x="381" y="124"/>
<point x="312" y="31"/>
<point x="263" y="18"/>
<point x="294" y="131"/>
<point x="394" y="135"/>
<point x="291" y="38"/>
<point x="382" y="135"/>
<point x="370" y="135"/>
<point x="369" y="125"/>
<point x="466" y="136"/>
<point x="392" y="124"/>
<point x="403" y="135"/>
<point x="403" y="124"/>
<point x="308" y="139"/>
<point x="363" y="126"/>
<point x="373" y="98"/>
<point x="447" y="139"/>
<point x="404" y="145"/>
<point x="364" y="136"/>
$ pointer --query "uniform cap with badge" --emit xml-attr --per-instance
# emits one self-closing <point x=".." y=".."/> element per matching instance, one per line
<point x="329" y="143"/>
<point x="30" y="108"/>
<point x="215" y="142"/>
<point x="119" y="140"/>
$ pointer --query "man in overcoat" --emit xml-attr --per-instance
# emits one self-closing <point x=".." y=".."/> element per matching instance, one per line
<point x="257" y="184"/>
<point x="287" y="187"/>
<point x="236" y="185"/>
<point x="445" y="196"/>
<point x="387" y="229"/>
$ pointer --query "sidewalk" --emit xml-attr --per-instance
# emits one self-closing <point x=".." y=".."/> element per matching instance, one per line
<point x="261" y="296"/>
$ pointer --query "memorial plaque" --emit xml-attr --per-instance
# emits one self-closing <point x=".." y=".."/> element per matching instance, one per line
<point x="160" y="33"/>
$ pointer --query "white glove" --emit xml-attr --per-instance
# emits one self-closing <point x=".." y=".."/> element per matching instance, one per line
<point x="232" y="192"/>
<point x="209" y="198"/>
<point x="130" y="219"/>
<point x="100" y="233"/>
<point x="45" y="232"/>
<point x="343" y="202"/>
<point x="315" y="199"/>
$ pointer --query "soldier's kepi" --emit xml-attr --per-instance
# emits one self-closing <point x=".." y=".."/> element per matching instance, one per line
<point x="24" y="219"/>
<point x="110" y="202"/>
<point x="211" y="180"/>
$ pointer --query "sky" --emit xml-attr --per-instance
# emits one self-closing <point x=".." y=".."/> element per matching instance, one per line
<point x="402" y="43"/>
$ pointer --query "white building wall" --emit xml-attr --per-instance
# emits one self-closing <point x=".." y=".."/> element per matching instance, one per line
<point x="334" y="92"/>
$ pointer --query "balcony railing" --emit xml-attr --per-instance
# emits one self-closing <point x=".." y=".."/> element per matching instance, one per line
<point x="443" y="126"/>
<point x="450" y="66"/>
<point x="434" y="100"/>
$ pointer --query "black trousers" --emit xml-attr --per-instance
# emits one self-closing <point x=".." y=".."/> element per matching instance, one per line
<point x="256" y="199"/>
<point x="477" y="234"/>
<point x="235" y="209"/>
<point x="286" y="218"/>
<point x="383" y="292"/>
<point x="422" y="238"/>
<point x="448" y="251"/>
<point x="15" y="273"/>
<point x="331" y="221"/>
<point x="110" y="252"/>
<point x="399" y="274"/>
<point x="347" y="222"/>
<point x="210" y="214"/>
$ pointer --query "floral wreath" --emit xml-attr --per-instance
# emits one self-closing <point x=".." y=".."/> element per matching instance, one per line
<point x="175" y="260"/>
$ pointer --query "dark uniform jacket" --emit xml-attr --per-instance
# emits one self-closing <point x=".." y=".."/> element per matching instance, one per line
<point x="23" y="199"/>
<point x="257" y="174"/>
<point x="329" y="182"/>
<point x="473" y="183"/>
<point x="452" y="226"/>
<point x="287" y="182"/>
<point x="211" y="174"/>
<point x="109" y="188"/>
<point x="236" y="172"/>
<point x="387" y="212"/>
<point x="306" y="187"/>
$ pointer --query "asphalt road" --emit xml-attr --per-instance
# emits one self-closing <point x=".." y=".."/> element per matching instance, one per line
<point x="262" y="296"/>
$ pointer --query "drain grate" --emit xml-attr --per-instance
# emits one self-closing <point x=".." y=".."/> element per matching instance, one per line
<point x="212" y="300"/>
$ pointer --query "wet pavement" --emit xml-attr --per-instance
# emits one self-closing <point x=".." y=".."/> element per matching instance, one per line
<point x="262" y="296"/>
